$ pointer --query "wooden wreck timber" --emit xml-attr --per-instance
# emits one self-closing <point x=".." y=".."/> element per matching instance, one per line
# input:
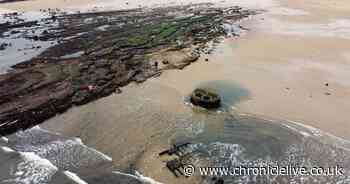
<point x="175" y="149"/>
<point x="96" y="53"/>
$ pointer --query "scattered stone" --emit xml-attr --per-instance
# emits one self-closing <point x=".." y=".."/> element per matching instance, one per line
<point x="327" y="93"/>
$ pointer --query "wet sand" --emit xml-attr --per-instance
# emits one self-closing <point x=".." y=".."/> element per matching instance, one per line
<point x="304" y="57"/>
<point x="33" y="5"/>
<point x="286" y="65"/>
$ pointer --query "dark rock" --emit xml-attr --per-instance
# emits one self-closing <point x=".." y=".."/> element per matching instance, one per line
<point x="220" y="181"/>
<point x="48" y="84"/>
<point x="175" y="149"/>
<point x="3" y="46"/>
<point x="81" y="97"/>
<point x="206" y="98"/>
<point x="14" y="32"/>
<point x="175" y="166"/>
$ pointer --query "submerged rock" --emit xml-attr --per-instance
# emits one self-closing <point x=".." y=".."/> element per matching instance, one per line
<point x="206" y="98"/>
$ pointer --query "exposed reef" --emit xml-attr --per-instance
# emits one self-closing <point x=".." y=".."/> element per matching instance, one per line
<point x="206" y="98"/>
<point x="94" y="54"/>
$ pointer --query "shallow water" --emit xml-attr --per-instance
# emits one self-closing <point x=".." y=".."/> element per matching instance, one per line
<point x="241" y="140"/>
<point x="22" y="46"/>
<point x="40" y="156"/>
<point x="230" y="92"/>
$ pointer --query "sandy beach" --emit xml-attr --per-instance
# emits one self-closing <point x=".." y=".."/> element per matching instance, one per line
<point x="292" y="61"/>
<point x="285" y="63"/>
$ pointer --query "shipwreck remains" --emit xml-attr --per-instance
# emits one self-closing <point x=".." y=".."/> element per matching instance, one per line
<point x="206" y="98"/>
<point x="177" y="149"/>
<point x="177" y="165"/>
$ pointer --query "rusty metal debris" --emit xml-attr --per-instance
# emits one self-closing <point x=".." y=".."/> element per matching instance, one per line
<point x="177" y="165"/>
<point x="176" y="149"/>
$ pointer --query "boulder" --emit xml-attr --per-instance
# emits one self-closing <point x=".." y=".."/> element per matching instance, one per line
<point x="174" y="59"/>
<point x="206" y="98"/>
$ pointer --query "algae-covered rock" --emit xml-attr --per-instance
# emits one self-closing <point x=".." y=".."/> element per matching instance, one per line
<point x="137" y="45"/>
<point x="205" y="97"/>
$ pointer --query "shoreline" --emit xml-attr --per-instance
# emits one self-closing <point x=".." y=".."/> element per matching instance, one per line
<point x="286" y="68"/>
<point x="76" y="71"/>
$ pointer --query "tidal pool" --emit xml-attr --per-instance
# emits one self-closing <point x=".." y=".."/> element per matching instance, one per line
<point x="230" y="140"/>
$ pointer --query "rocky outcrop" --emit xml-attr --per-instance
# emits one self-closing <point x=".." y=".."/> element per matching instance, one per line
<point x="206" y="98"/>
<point x="135" y="46"/>
<point x="175" y="59"/>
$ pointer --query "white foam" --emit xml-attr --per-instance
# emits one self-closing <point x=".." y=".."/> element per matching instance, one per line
<point x="125" y="174"/>
<point x="104" y="156"/>
<point x="32" y="169"/>
<point x="7" y="149"/>
<point x="340" y="142"/>
<point x="234" y="150"/>
<point x="74" y="177"/>
<point x="305" y="134"/>
<point x="57" y="143"/>
<point x="139" y="176"/>
<point x="315" y="132"/>
<point x="4" y="139"/>
<point x="146" y="180"/>
<point x="61" y="151"/>
<point x="29" y="156"/>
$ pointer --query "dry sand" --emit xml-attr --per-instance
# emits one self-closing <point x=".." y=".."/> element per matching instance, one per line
<point x="44" y="4"/>
<point x="33" y="5"/>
